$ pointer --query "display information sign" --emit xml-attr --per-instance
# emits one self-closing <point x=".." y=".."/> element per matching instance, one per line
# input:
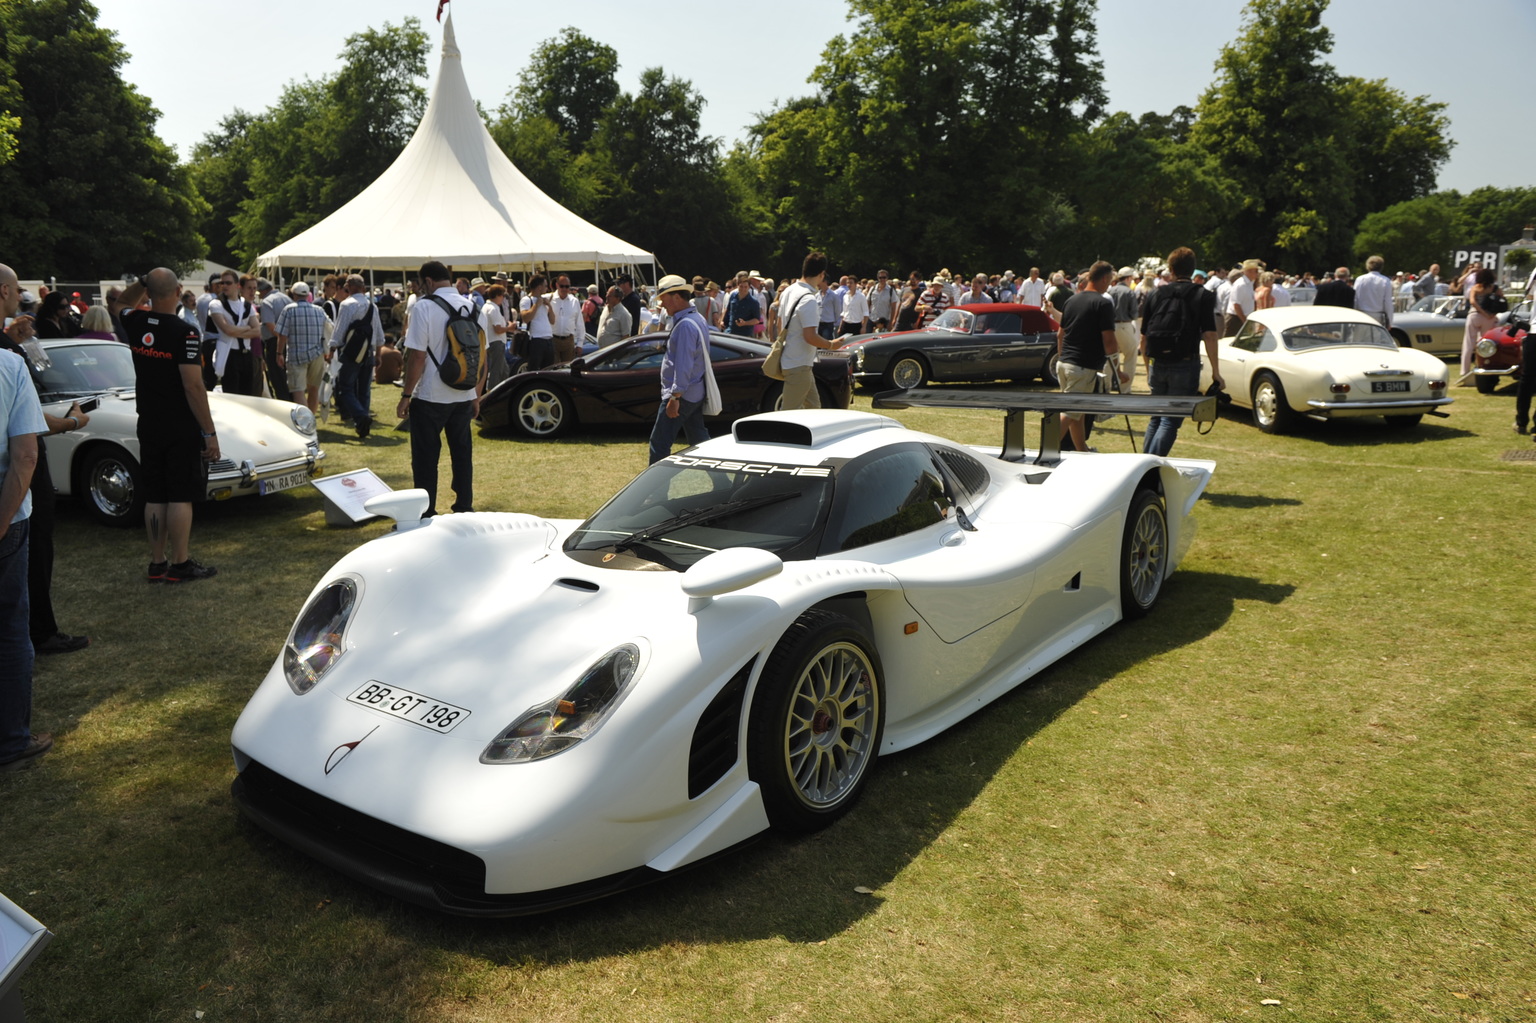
<point x="345" y="494"/>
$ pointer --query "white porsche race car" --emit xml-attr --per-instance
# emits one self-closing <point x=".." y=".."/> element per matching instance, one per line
<point x="494" y="714"/>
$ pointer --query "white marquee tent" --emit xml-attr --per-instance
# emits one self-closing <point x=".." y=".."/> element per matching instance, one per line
<point x="452" y="195"/>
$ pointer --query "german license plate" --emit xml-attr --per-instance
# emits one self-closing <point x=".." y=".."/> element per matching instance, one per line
<point x="287" y="481"/>
<point x="1388" y="386"/>
<point x="433" y="715"/>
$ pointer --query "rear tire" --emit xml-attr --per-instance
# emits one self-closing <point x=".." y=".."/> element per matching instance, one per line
<point x="1143" y="554"/>
<point x="816" y="721"/>
<point x="1271" y="413"/>
<point x="1048" y="375"/>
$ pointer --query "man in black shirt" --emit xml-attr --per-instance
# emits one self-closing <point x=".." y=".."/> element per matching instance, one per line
<point x="1084" y="343"/>
<point x="176" y="433"/>
<point x="1176" y="320"/>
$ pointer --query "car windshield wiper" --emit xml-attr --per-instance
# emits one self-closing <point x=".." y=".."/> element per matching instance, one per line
<point x="702" y="515"/>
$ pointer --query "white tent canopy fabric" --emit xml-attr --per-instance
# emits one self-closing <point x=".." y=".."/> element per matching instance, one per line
<point x="452" y="195"/>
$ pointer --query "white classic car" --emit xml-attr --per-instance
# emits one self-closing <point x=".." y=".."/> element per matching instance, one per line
<point x="1325" y="362"/>
<point x="265" y="445"/>
<point x="494" y="714"/>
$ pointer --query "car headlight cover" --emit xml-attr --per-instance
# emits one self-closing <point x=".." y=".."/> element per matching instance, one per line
<point x="1486" y="347"/>
<point x="303" y="420"/>
<point x="318" y="637"/>
<point x="561" y="723"/>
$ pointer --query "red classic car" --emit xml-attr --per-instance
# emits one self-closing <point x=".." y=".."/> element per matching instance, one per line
<point x="1498" y="351"/>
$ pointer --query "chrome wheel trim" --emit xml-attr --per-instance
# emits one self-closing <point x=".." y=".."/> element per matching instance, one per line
<point x="1147" y="555"/>
<point x="830" y="729"/>
<point x="111" y="487"/>
<point x="540" y="411"/>
<point x="907" y="372"/>
<point x="1266" y="403"/>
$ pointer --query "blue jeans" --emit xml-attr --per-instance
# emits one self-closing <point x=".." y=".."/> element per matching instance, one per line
<point x="1169" y="378"/>
<point x="15" y="643"/>
<point x="354" y="391"/>
<point x="432" y="422"/>
<point x="690" y="416"/>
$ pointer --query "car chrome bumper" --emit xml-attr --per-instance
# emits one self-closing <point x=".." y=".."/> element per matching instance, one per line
<point x="1506" y="371"/>
<point x="225" y="474"/>
<point x="1374" y="408"/>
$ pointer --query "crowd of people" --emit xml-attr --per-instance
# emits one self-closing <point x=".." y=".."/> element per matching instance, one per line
<point x="246" y="336"/>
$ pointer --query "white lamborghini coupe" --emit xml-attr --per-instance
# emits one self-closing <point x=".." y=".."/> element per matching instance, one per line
<point x="494" y="714"/>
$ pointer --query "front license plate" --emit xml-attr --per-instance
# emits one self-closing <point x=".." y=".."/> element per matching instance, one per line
<point x="433" y="715"/>
<point x="287" y="481"/>
<point x="1388" y="386"/>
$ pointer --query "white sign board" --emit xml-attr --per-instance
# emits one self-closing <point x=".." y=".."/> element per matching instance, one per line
<point x="345" y="494"/>
<point x="21" y="939"/>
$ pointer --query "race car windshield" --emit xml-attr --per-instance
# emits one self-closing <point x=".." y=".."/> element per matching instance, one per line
<point x="683" y="508"/>
<point x="1327" y="335"/>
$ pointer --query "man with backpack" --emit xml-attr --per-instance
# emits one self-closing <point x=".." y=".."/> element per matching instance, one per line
<point x="444" y="374"/>
<point x="357" y="333"/>
<point x="1176" y="319"/>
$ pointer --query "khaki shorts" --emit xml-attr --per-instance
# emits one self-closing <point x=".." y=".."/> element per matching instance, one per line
<point x="1076" y="379"/>
<point x="306" y="375"/>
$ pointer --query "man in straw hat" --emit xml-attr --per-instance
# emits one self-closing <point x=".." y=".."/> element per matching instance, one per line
<point x="682" y="370"/>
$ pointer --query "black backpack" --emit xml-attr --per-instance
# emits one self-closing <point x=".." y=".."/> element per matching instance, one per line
<point x="466" y="346"/>
<point x="1172" y="330"/>
<point x="357" y="342"/>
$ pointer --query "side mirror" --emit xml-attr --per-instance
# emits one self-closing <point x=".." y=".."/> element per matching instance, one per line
<point x="724" y="571"/>
<point x="578" y="365"/>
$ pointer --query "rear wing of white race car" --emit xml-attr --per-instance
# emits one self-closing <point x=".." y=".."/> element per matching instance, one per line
<point x="1050" y="405"/>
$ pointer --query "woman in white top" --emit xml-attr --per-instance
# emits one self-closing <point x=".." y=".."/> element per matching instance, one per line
<point x="493" y="322"/>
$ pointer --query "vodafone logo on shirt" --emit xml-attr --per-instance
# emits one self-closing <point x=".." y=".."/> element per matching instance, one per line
<point x="148" y="340"/>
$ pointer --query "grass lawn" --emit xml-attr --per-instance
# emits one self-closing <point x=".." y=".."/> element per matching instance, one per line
<point x="1303" y="788"/>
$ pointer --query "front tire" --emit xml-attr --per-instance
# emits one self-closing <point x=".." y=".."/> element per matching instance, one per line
<point x="1486" y="384"/>
<point x="816" y="721"/>
<point x="540" y="412"/>
<point x="1143" y="554"/>
<point x="111" y="485"/>
<point x="906" y="371"/>
<point x="1271" y="412"/>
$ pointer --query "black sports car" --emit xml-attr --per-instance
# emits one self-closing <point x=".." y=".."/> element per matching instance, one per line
<point x="991" y="341"/>
<point x="622" y="384"/>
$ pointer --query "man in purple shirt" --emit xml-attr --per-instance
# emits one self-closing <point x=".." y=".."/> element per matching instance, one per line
<point x="682" y="370"/>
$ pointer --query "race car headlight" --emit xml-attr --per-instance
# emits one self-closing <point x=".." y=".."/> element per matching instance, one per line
<point x="303" y="420"/>
<point x="317" y="639"/>
<point x="561" y="723"/>
<point x="1486" y="347"/>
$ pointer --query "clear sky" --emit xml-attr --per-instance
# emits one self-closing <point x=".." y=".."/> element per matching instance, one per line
<point x="199" y="59"/>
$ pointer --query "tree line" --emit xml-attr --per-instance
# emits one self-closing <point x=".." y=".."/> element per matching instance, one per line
<point x="967" y="133"/>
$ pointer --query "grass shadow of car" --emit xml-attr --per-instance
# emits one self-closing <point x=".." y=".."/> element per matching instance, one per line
<point x="802" y="889"/>
<point x="1245" y="501"/>
<point x="1357" y="431"/>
